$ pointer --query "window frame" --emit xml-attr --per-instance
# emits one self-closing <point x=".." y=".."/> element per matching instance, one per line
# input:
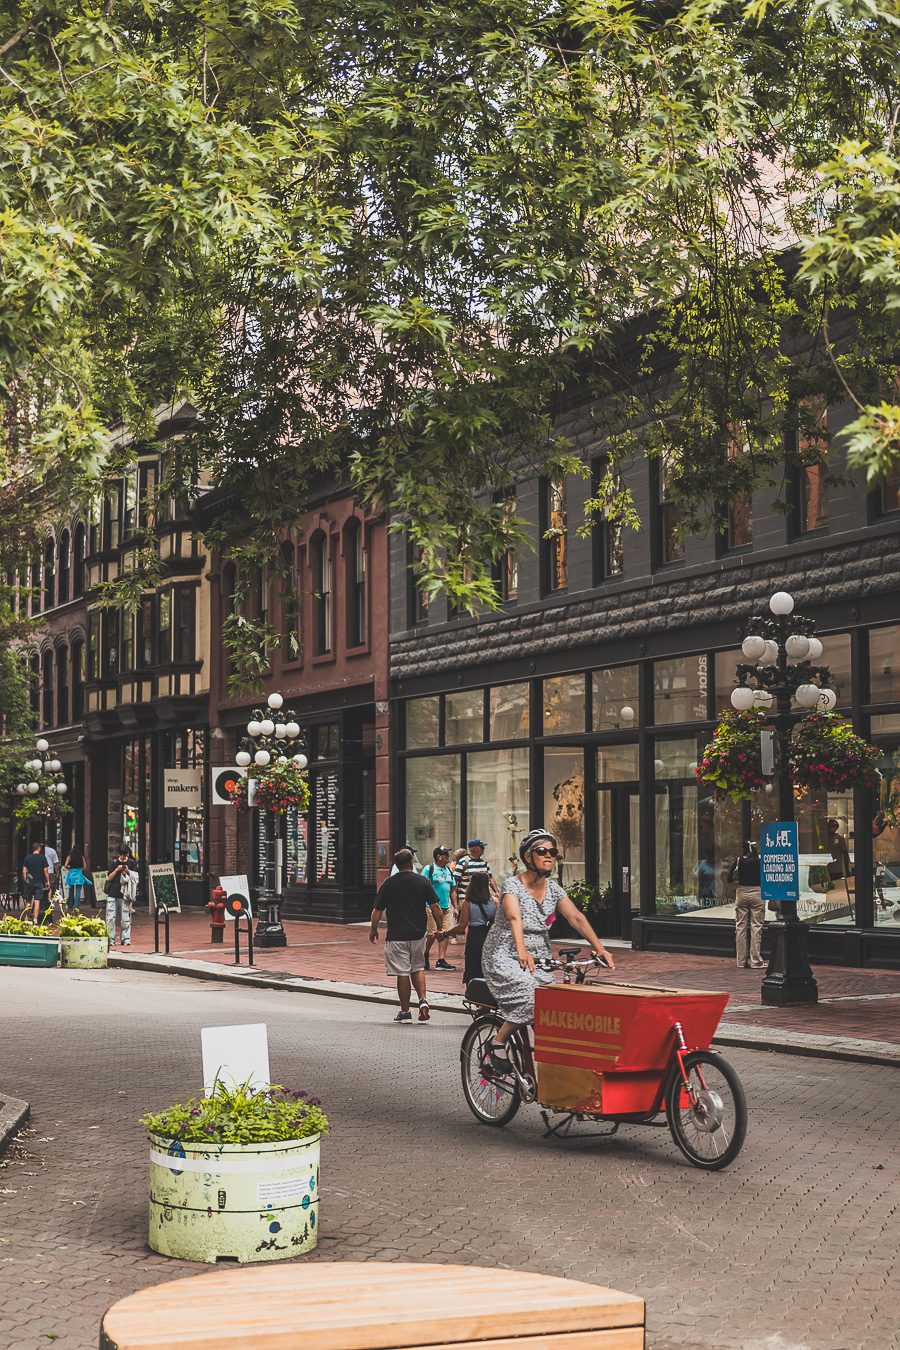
<point x="554" y="551"/>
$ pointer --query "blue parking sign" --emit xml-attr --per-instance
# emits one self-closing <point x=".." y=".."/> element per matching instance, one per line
<point x="779" y="862"/>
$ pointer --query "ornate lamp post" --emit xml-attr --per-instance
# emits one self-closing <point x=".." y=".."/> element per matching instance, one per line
<point x="272" y="736"/>
<point x="41" y="774"/>
<point x="782" y="676"/>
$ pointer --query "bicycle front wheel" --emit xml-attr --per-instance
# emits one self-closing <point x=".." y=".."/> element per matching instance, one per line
<point x="492" y="1098"/>
<point x="708" y="1118"/>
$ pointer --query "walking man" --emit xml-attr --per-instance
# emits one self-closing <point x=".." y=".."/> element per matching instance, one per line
<point x="406" y="897"/>
<point x="36" y="879"/>
<point x="749" y="908"/>
<point x="469" y="865"/>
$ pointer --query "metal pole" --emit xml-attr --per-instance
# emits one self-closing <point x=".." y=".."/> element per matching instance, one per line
<point x="269" y="929"/>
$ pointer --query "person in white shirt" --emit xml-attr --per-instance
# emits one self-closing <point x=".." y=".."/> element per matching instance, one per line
<point x="415" y="867"/>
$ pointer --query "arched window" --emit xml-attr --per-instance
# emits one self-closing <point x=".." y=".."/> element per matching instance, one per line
<point x="49" y="574"/>
<point x="290" y="603"/>
<point x="62" y="687"/>
<point x="77" y="680"/>
<point x="355" y="572"/>
<point x="320" y="564"/>
<point x="78" y="562"/>
<point x="229" y="605"/>
<point x="63" y="568"/>
<point x="34" y="686"/>
<point x="47" y="689"/>
<point x="36" y="591"/>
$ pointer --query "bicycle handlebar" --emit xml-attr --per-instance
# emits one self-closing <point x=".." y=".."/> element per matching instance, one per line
<point x="551" y="963"/>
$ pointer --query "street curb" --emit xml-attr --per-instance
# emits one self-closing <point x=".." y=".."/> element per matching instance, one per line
<point x="773" y="1039"/>
<point x="13" y="1114"/>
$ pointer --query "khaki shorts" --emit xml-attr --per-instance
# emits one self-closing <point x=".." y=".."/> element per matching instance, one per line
<point x="404" y="958"/>
<point x="448" y="919"/>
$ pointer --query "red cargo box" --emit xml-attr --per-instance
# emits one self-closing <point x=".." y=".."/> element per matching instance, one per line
<point x="606" y="1049"/>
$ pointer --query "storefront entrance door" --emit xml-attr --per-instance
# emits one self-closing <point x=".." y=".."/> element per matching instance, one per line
<point x="618" y="857"/>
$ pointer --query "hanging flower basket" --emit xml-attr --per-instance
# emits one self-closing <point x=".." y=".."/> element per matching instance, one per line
<point x="730" y="763"/>
<point x="278" y="787"/>
<point x="827" y="753"/>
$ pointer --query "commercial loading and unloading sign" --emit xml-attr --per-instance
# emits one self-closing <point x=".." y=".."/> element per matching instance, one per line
<point x="779" y="860"/>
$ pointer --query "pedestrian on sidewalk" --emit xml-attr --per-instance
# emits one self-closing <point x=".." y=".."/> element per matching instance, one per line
<point x="415" y="867"/>
<point x="121" y="892"/>
<point x="476" y="914"/>
<point x="406" y="897"/>
<point x="53" y="868"/>
<point x="36" y="879"/>
<point x="440" y="877"/>
<point x="749" y="908"/>
<point x="74" y="878"/>
<point x="470" y="864"/>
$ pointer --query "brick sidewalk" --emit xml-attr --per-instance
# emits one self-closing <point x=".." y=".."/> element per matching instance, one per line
<point x="855" y="1003"/>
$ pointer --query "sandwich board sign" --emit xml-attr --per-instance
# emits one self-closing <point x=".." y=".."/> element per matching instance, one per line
<point x="236" y="886"/>
<point x="780" y="862"/>
<point x="163" y="887"/>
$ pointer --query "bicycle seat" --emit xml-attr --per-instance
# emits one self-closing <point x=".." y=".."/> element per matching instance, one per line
<point x="569" y="953"/>
<point x="477" y="991"/>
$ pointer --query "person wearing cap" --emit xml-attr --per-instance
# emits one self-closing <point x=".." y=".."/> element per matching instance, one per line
<point x="441" y="877"/>
<point x="470" y="864"/>
<point x="520" y="938"/>
<point x="409" y="848"/>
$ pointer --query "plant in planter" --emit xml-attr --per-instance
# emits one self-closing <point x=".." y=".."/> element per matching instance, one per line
<point x="84" y="942"/>
<point x="278" y="786"/>
<point x="827" y="753"/>
<point x="730" y="763"/>
<point x="236" y="1174"/>
<point x="27" y="944"/>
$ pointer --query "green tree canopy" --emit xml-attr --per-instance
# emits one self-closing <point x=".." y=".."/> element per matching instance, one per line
<point x="386" y="241"/>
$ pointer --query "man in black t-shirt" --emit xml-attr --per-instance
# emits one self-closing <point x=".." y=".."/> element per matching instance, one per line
<point x="36" y="877"/>
<point x="406" y="897"/>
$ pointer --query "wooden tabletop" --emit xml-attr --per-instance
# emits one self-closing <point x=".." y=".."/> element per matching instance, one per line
<point x="374" y="1306"/>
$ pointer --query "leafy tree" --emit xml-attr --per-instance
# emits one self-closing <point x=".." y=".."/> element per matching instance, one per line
<point x="387" y="243"/>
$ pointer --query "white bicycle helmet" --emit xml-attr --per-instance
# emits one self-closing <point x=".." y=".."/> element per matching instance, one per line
<point x="533" y="837"/>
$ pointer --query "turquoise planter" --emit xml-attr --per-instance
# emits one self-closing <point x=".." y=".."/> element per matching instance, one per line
<point x="16" y="951"/>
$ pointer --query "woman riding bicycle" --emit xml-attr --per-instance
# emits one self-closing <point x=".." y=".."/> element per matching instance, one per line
<point x="520" y="937"/>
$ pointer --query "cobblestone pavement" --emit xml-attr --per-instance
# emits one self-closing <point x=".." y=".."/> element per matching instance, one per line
<point x="859" y="1003"/>
<point x="793" y="1248"/>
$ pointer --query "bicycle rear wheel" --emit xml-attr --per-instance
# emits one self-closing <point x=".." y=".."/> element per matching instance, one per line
<point x="709" y="1122"/>
<point x="492" y="1098"/>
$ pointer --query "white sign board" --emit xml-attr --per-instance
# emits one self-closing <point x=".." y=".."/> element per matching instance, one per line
<point x="235" y="1055"/>
<point x="221" y="783"/>
<point x="236" y="886"/>
<point x="182" y="787"/>
<point x="163" y="888"/>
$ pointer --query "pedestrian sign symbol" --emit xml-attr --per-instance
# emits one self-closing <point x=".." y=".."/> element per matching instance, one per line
<point x="779" y="862"/>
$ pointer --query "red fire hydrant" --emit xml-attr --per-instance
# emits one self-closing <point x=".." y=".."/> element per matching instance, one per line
<point x="216" y="910"/>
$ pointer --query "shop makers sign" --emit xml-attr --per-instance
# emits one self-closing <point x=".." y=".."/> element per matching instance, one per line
<point x="182" y="787"/>
<point x="780" y="864"/>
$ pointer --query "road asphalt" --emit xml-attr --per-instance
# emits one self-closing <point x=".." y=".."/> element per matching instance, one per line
<point x="793" y="1248"/>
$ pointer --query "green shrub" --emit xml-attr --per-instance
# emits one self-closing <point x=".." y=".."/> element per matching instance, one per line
<point x="12" y="927"/>
<point x="239" y="1115"/>
<point x="80" y="926"/>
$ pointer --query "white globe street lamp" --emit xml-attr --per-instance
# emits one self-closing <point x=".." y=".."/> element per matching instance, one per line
<point x="55" y="765"/>
<point x="280" y="731"/>
<point x="807" y="695"/>
<point x="781" y="604"/>
<point x="753" y="647"/>
<point x="815" y="649"/>
<point x="42" y="745"/>
<point x="627" y="713"/>
<point x="797" y="646"/>
<point x="62" y="789"/>
<point x="762" y="698"/>
<point x="301" y="761"/>
<point x="827" y="699"/>
<point x="742" y="698"/>
<point x="243" y="758"/>
<point x="254" y="728"/>
<point x="293" y="730"/>
<point x="275" y="701"/>
<point x="267" y="727"/>
<point x="262" y="758"/>
<point x="32" y="788"/>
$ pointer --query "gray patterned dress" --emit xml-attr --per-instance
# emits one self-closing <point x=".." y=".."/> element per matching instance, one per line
<point x="513" y="987"/>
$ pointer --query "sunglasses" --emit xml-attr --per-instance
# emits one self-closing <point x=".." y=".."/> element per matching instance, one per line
<point x="547" y="852"/>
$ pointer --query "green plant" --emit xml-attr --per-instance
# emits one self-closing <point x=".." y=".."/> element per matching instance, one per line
<point x="730" y="763"/>
<point x="827" y="753"/>
<point x="588" y="897"/>
<point x="278" y="786"/>
<point x="12" y="927"/>
<point x="44" y="805"/>
<point x="239" y="1115"/>
<point x="80" y="926"/>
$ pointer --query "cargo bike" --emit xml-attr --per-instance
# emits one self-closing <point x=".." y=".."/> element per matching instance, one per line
<point x="617" y="1053"/>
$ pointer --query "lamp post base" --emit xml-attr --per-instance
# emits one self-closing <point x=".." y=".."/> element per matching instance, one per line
<point x="270" y="934"/>
<point x="789" y="978"/>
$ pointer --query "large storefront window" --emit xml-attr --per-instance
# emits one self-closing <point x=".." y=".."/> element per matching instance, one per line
<point x="497" y="794"/>
<point x="564" y="808"/>
<point x="886" y="840"/>
<point x="564" y="705"/>
<point x="423" y="720"/>
<point x="433" y="797"/>
<point x="884" y="665"/>
<point x="680" y="688"/>
<point x="509" y="718"/>
<point x="615" y="692"/>
<point x="187" y="750"/>
<point x="464" y="717"/>
<point x="836" y="656"/>
<point x="726" y="676"/>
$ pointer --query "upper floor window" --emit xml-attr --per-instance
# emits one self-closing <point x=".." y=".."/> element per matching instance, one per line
<point x="608" y="535"/>
<point x="184" y="621"/>
<point x="890" y="488"/>
<point x="554" y="535"/>
<point x="47" y="689"/>
<point x="112" y="638"/>
<point x="143" y="621"/>
<point x="62" y="687"/>
<point x="320" y="565"/>
<point x="130" y="513"/>
<point x="112" y="518"/>
<point x="506" y="569"/>
<point x="49" y="573"/>
<point x="669" y="514"/>
<point x="36" y="587"/>
<point x="63" y="569"/>
<point x="146" y="497"/>
<point x="739" y="527"/>
<point x="163" y="627"/>
<point x="811" y="472"/>
<point x="355" y="561"/>
<point x="77" y="680"/>
<point x="290" y="604"/>
<point x="93" y="645"/>
<point x="34" y="685"/>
